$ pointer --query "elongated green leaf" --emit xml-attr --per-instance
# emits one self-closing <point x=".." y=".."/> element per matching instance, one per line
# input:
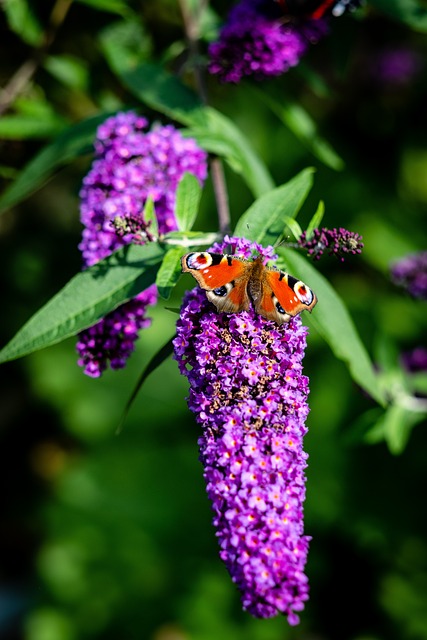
<point x="74" y="142"/>
<point x="19" y="127"/>
<point x="188" y="197"/>
<point x="125" y="43"/>
<point x="412" y="12"/>
<point x="23" y="22"/>
<point x="332" y="320"/>
<point x="316" y="219"/>
<point x="169" y="272"/>
<point x="218" y="134"/>
<point x="304" y="128"/>
<point x="213" y="131"/>
<point x="160" y="91"/>
<point x="190" y="238"/>
<point x="155" y="362"/>
<point x="265" y="219"/>
<point x="112" y="6"/>
<point x="86" y="298"/>
<point x="149" y="215"/>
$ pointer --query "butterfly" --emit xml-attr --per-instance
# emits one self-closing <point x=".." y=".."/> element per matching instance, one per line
<point x="316" y="9"/>
<point x="232" y="283"/>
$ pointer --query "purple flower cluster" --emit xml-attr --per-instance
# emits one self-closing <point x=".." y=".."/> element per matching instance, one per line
<point x="337" y="242"/>
<point x="248" y="392"/>
<point x="258" y="42"/>
<point x="397" y="66"/>
<point x="411" y="273"/>
<point x="131" y="165"/>
<point x="415" y="361"/>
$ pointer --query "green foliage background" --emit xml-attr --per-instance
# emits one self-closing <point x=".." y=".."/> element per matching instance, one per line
<point x="108" y="535"/>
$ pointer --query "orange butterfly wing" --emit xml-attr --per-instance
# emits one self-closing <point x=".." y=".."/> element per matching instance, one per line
<point x="283" y="296"/>
<point x="224" y="278"/>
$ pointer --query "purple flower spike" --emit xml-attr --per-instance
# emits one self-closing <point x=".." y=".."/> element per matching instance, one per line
<point x="248" y="392"/>
<point x="337" y="242"/>
<point x="257" y="41"/>
<point x="411" y="274"/>
<point x="131" y="165"/>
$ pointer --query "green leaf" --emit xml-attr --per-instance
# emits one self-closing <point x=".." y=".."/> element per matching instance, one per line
<point x="22" y="127"/>
<point x="69" y="70"/>
<point x="218" y="134"/>
<point x="169" y="272"/>
<point x="316" y="220"/>
<point x="149" y="215"/>
<point x="190" y="238"/>
<point x="302" y="125"/>
<point x="411" y="12"/>
<point x="125" y="44"/>
<point x="74" y="142"/>
<point x="293" y="225"/>
<point x="396" y="425"/>
<point x="265" y="219"/>
<point x="155" y="362"/>
<point x="188" y="197"/>
<point x="23" y="22"/>
<point x="160" y="91"/>
<point x="111" y="6"/>
<point x="332" y="320"/>
<point x="213" y="131"/>
<point x="86" y="298"/>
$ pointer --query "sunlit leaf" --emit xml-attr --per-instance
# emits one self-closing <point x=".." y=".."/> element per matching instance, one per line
<point x="125" y="44"/>
<point x="69" y="70"/>
<point x="316" y="219"/>
<point x="86" y="298"/>
<point x="169" y="272"/>
<point x="188" y="197"/>
<point x="302" y="125"/>
<point x="22" y="21"/>
<point x="213" y="131"/>
<point x="332" y="320"/>
<point x="266" y="218"/>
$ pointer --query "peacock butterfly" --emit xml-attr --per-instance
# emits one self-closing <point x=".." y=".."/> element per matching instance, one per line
<point x="232" y="283"/>
<point x="316" y="9"/>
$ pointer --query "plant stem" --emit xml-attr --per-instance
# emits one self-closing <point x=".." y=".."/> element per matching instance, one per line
<point x="192" y="31"/>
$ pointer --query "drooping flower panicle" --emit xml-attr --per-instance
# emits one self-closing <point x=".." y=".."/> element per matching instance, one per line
<point x="336" y="242"/>
<point x="257" y="41"/>
<point x="248" y="392"/>
<point x="410" y="273"/>
<point x="131" y="165"/>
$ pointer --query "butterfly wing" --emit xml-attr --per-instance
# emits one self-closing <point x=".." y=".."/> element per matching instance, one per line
<point x="224" y="278"/>
<point x="282" y="296"/>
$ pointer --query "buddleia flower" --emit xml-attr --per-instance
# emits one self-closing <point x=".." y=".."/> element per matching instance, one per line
<point x="249" y="395"/>
<point x="132" y="163"/>
<point x="257" y="40"/>
<point x="410" y="273"/>
<point x="335" y="242"/>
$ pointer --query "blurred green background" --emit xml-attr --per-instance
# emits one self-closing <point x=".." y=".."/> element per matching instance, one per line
<point x="108" y="535"/>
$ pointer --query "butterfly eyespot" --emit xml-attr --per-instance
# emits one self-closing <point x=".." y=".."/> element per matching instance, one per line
<point x="199" y="261"/>
<point x="304" y="294"/>
<point x="220" y="291"/>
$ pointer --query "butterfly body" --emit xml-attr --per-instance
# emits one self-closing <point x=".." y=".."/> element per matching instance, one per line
<point x="234" y="284"/>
